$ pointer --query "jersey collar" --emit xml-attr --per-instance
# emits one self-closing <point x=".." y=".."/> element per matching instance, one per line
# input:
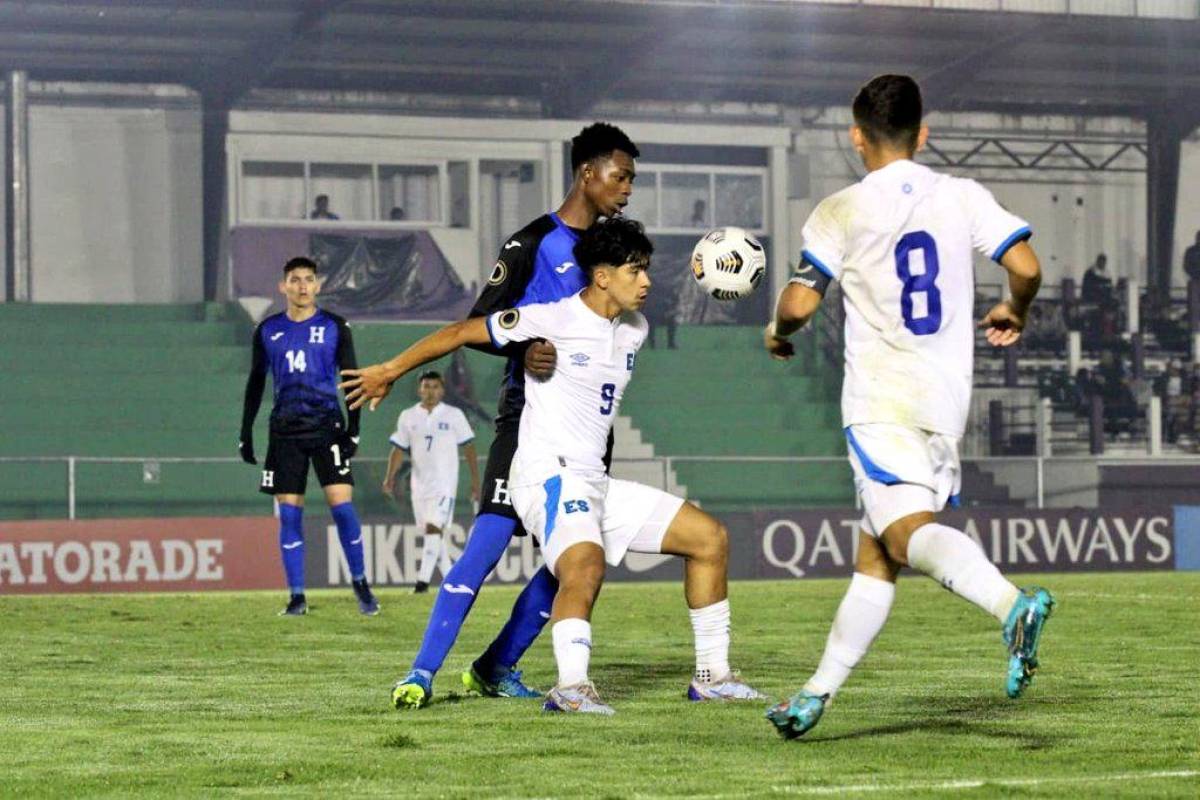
<point x="564" y="226"/>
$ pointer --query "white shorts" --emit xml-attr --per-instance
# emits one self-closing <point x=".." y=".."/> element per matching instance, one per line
<point x="900" y="471"/>
<point x="437" y="511"/>
<point x="560" y="508"/>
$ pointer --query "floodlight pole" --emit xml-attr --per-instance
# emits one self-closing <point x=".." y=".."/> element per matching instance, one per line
<point x="214" y="126"/>
<point x="18" y="265"/>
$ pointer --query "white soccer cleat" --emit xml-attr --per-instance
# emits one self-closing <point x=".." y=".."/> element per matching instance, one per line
<point x="578" y="699"/>
<point x="730" y="687"/>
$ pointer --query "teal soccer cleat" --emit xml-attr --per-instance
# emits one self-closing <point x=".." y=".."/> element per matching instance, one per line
<point x="1022" y="633"/>
<point x="799" y="714"/>
<point x="505" y="684"/>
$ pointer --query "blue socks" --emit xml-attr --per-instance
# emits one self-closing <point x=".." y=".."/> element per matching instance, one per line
<point x="489" y="538"/>
<point x="530" y="614"/>
<point x="350" y="535"/>
<point x="291" y="545"/>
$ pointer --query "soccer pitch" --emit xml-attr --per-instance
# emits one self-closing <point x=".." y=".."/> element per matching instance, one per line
<point x="213" y="694"/>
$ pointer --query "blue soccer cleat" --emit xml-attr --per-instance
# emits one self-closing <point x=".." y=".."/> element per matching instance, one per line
<point x="799" y="714"/>
<point x="730" y="687"/>
<point x="414" y="691"/>
<point x="501" y="684"/>
<point x="1022" y="632"/>
<point x="578" y="699"/>
<point x="367" y="604"/>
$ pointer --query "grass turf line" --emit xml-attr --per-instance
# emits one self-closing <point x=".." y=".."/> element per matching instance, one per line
<point x="205" y="694"/>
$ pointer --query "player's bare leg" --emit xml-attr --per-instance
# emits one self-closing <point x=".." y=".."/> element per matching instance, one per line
<point x="580" y="573"/>
<point x="703" y="542"/>
<point x="340" y="497"/>
<point x="859" y="619"/>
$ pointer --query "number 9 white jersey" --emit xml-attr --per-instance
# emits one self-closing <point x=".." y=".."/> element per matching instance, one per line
<point x="899" y="241"/>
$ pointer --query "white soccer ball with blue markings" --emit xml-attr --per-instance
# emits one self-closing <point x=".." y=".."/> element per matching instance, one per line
<point x="728" y="263"/>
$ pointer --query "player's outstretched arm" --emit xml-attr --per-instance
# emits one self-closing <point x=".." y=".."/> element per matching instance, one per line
<point x="255" y="384"/>
<point x="1005" y="321"/>
<point x="796" y="306"/>
<point x="374" y="382"/>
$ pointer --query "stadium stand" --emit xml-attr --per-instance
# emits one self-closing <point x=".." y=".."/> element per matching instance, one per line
<point x="156" y="382"/>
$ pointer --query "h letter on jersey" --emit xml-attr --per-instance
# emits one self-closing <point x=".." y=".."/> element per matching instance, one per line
<point x="316" y="334"/>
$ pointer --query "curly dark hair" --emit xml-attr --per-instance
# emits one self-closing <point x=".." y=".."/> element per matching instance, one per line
<point x="613" y="241"/>
<point x="597" y="140"/>
<point x="888" y="110"/>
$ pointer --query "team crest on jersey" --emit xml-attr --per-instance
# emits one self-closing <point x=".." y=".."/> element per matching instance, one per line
<point x="508" y="319"/>
<point x="443" y="426"/>
<point x="580" y="359"/>
<point x="316" y="334"/>
<point x="499" y="273"/>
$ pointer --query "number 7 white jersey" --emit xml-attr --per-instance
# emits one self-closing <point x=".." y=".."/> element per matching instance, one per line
<point x="899" y="241"/>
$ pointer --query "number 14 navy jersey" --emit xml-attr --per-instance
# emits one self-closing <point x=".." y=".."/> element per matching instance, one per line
<point x="305" y="358"/>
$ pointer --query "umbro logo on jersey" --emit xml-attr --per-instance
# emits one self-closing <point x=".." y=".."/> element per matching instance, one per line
<point x="511" y="245"/>
<point x="566" y="265"/>
<point x="580" y="359"/>
<point x="276" y="336"/>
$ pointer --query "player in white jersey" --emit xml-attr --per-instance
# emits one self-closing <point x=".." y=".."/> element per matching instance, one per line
<point x="559" y="487"/>
<point x="900" y="242"/>
<point x="431" y="432"/>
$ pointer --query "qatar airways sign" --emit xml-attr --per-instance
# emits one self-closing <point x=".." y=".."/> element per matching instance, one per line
<point x="805" y="543"/>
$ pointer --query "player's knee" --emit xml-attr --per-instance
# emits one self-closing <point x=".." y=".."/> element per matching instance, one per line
<point x="717" y="542"/>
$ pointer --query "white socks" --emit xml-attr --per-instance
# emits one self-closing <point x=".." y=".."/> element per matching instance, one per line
<point x="953" y="559"/>
<point x="572" y="649"/>
<point x="433" y="548"/>
<point x="711" y="626"/>
<point x="859" y="620"/>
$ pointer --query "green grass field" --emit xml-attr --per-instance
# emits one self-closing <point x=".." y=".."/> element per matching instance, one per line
<point x="207" y="695"/>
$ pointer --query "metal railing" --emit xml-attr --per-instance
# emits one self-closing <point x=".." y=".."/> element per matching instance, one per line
<point x="1028" y="481"/>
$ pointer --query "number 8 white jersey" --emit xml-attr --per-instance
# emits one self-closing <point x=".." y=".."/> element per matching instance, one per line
<point x="899" y="241"/>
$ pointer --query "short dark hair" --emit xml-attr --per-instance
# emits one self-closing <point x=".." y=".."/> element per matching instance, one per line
<point x="613" y="241"/>
<point x="431" y="375"/>
<point x="888" y="110"/>
<point x="599" y="139"/>
<point x="299" y="262"/>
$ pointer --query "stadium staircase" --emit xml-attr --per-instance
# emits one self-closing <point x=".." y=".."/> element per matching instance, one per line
<point x="155" y="382"/>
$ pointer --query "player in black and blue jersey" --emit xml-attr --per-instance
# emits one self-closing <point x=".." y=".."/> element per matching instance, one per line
<point x="304" y="347"/>
<point x="536" y="265"/>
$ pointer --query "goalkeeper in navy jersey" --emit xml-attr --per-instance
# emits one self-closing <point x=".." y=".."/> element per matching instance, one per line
<point x="304" y="347"/>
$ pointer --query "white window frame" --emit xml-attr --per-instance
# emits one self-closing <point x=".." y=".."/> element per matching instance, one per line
<point x="712" y="170"/>
<point x="443" y="179"/>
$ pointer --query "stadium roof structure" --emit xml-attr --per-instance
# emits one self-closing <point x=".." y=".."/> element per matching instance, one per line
<point x="570" y="54"/>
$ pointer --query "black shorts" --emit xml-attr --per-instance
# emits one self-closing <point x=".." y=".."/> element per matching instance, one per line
<point x="495" y="499"/>
<point x="286" y="469"/>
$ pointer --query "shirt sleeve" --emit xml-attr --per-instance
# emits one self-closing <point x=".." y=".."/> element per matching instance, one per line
<point x="994" y="229"/>
<point x="521" y="324"/>
<point x="348" y="360"/>
<point x="824" y="238"/>
<point x="255" y="384"/>
<point x="462" y="428"/>
<point x="399" y="437"/>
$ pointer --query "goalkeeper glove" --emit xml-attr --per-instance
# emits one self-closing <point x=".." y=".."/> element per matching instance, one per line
<point x="246" y="449"/>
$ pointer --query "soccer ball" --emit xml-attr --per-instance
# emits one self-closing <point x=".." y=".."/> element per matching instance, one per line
<point x="728" y="263"/>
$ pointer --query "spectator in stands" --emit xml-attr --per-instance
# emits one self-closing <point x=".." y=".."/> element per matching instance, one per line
<point x="1097" y="284"/>
<point x="397" y="214"/>
<point x="1120" y="407"/>
<point x="321" y="208"/>
<point x="1082" y="391"/>
<point x="699" y="215"/>
<point x="1191" y="259"/>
